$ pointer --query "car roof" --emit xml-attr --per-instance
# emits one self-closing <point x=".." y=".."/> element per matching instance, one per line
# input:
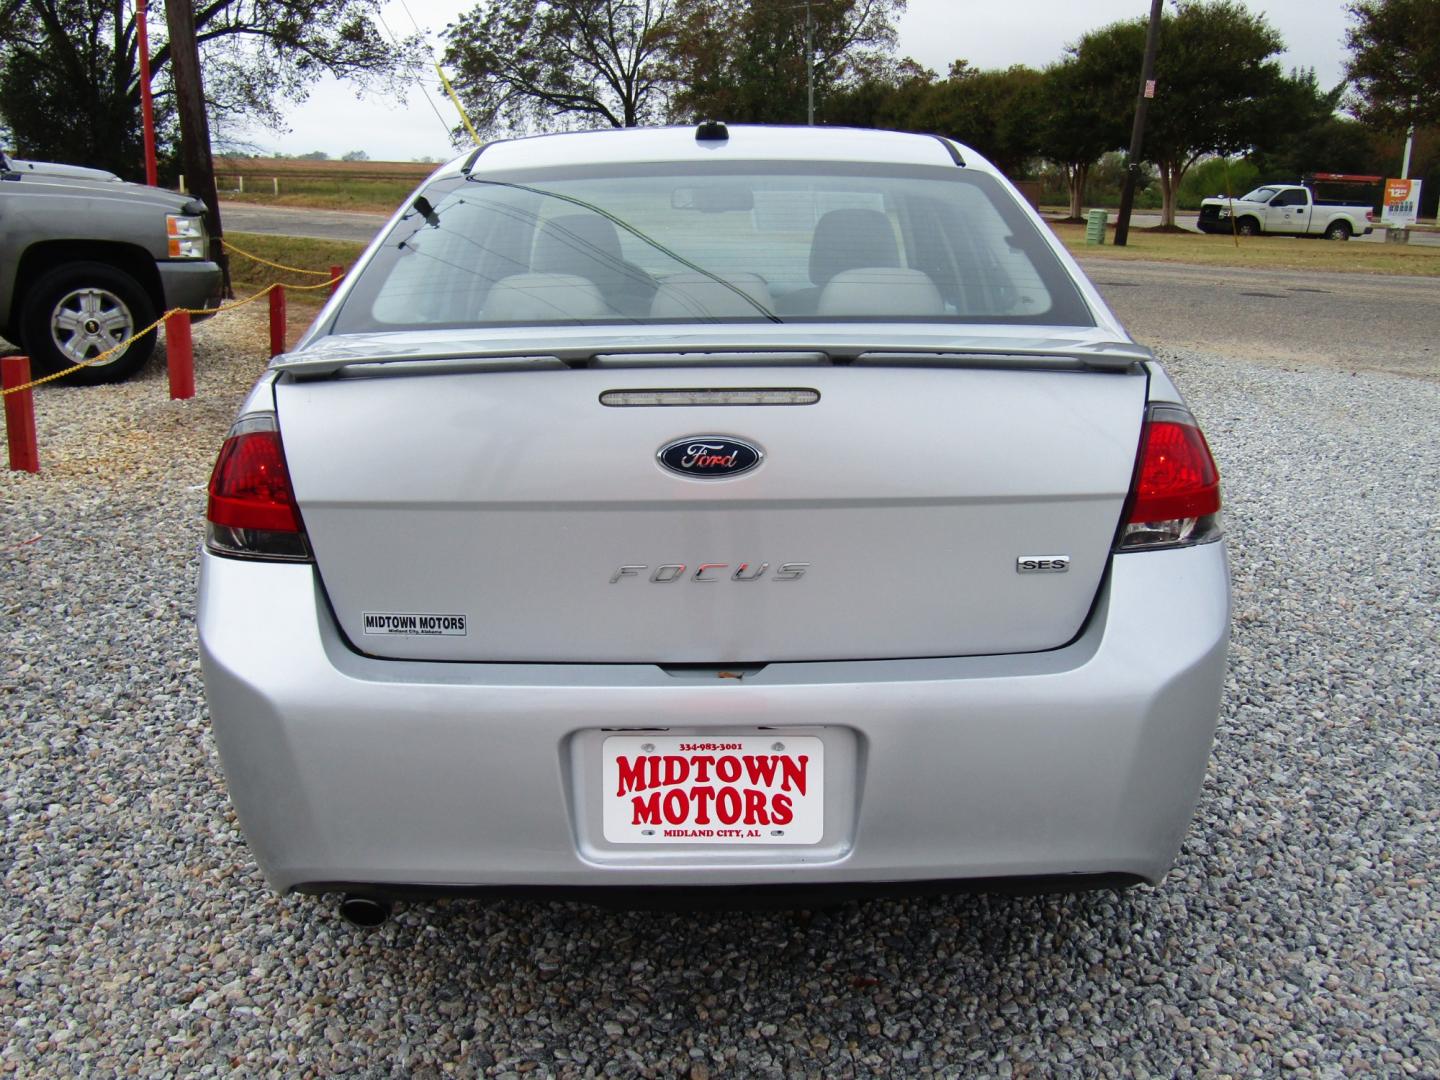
<point x="745" y="142"/>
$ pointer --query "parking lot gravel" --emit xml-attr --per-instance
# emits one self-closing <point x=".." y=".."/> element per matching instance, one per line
<point x="1299" y="932"/>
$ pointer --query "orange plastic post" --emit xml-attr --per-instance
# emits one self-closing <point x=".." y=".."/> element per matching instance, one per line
<point x="337" y="274"/>
<point x="180" y="354"/>
<point x="277" y="320"/>
<point x="19" y="414"/>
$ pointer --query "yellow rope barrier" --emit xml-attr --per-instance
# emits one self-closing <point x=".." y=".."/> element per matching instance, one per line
<point x="266" y="262"/>
<point x="99" y="357"/>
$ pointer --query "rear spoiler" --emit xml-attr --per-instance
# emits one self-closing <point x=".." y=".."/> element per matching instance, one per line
<point x="1116" y="356"/>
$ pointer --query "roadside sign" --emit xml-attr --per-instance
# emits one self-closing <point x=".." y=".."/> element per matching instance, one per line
<point x="1402" y="204"/>
<point x="1149" y="88"/>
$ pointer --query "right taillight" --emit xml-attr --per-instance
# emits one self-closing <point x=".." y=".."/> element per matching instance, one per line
<point x="252" y="512"/>
<point x="1176" y="495"/>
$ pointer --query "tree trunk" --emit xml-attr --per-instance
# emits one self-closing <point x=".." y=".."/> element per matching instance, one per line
<point x="1169" y="181"/>
<point x="194" y="126"/>
<point x="1079" y="176"/>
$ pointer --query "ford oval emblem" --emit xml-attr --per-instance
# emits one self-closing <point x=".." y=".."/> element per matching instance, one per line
<point x="709" y="457"/>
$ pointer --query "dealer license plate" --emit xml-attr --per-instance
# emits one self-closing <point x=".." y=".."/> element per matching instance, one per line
<point x="735" y="790"/>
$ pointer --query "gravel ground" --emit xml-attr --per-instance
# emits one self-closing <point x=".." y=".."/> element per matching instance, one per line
<point x="1298" y="933"/>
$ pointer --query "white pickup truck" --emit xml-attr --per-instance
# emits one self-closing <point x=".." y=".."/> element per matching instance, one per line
<point x="1286" y="209"/>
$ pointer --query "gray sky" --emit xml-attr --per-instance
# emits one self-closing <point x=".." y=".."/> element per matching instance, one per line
<point x="988" y="33"/>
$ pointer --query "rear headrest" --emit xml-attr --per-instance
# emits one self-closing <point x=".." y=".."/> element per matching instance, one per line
<point x="880" y="291"/>
<point x="697" y="296"/>
<point x="544" y="298"/>
<point x="845" y="239"/>
<point x="583" y="244"/>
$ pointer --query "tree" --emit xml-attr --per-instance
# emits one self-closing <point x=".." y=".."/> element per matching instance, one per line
<point x="50" y="98"/>
<point x="1214" y="74"/>
<point x="745" y="61"/>
<point x="890" y="99"/>
<point x="542" y="64"/>
<point x="1305" y="134"/>
<point x="998" y="112"/>
<point x="355" y="155"/>
<point x="1085" y="118"/>
<point x="1395" y="63"/>
<point x="69" y="78"/>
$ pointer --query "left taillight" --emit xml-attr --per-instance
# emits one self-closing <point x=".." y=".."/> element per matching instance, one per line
<point x="252" y="512"/>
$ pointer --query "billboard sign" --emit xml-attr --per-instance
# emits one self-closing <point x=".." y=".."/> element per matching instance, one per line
<point x="1402" y="204"/>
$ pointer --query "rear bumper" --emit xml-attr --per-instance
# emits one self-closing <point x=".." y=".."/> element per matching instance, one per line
<point x="1083" y="760"/>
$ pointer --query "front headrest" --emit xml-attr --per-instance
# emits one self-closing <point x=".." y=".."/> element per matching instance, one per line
<point x="846" y="239"/>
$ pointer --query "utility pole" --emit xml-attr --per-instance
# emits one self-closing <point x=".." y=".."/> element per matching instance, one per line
<point x="809" y="56"/>
<point x="147" y="103"/>
<point x="1137" y="132"/>
<point x="810" y="64"/>
<point x="1409" y="143"/>
<point x="194" y="127"/>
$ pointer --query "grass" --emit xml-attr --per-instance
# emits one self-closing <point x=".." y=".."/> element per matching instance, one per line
<point x="377" y="196"/>
<point x="1262" y="252"/>
<point x="248" y="277"/>
<point x="328" y="185"/>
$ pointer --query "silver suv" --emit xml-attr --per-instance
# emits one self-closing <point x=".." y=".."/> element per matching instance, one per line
<point x="86" y="260"/>
<point x="741" y="507"/>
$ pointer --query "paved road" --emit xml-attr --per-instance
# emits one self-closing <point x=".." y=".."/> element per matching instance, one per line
<point x="1187" y="221"/>
<point x="289" y="221"/>
<point x="1357" y="321"/>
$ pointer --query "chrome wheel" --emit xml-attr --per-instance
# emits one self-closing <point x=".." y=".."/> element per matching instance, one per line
<point x="89" y="321"/>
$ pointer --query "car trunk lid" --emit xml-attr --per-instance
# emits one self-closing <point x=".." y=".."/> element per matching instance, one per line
<point x="515" y="515"/>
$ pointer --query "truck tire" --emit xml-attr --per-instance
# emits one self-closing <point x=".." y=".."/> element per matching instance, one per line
<point x="77" y="311"/>
<point x="1247" y="226"/>
<point x="1338" y="230"/>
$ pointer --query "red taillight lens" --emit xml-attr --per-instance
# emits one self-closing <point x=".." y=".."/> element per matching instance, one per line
<point x="1177" y="486"/>
<point x="1178" y="478"/>
<point x="252" y="509"/>
<point x="250" y="488"/>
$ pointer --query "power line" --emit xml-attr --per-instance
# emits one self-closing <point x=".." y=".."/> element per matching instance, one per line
<point x="415" y="24"/>
<point x="464" y="117"/>
<point x="419" y="82"/>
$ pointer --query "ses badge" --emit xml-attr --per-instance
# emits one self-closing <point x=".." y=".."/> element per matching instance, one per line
<point x="413" y="624"/>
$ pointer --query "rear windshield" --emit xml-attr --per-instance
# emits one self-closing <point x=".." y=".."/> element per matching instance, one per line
<point x="740" y="243"/>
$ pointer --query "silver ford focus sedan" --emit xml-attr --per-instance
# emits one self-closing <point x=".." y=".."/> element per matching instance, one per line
<point x="713" y="507"/>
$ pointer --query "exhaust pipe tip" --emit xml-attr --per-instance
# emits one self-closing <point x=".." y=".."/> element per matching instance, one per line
<point x="364" y="911"/>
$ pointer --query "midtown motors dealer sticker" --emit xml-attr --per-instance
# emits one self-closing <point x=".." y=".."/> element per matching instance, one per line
<point x="418" y="624"/>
